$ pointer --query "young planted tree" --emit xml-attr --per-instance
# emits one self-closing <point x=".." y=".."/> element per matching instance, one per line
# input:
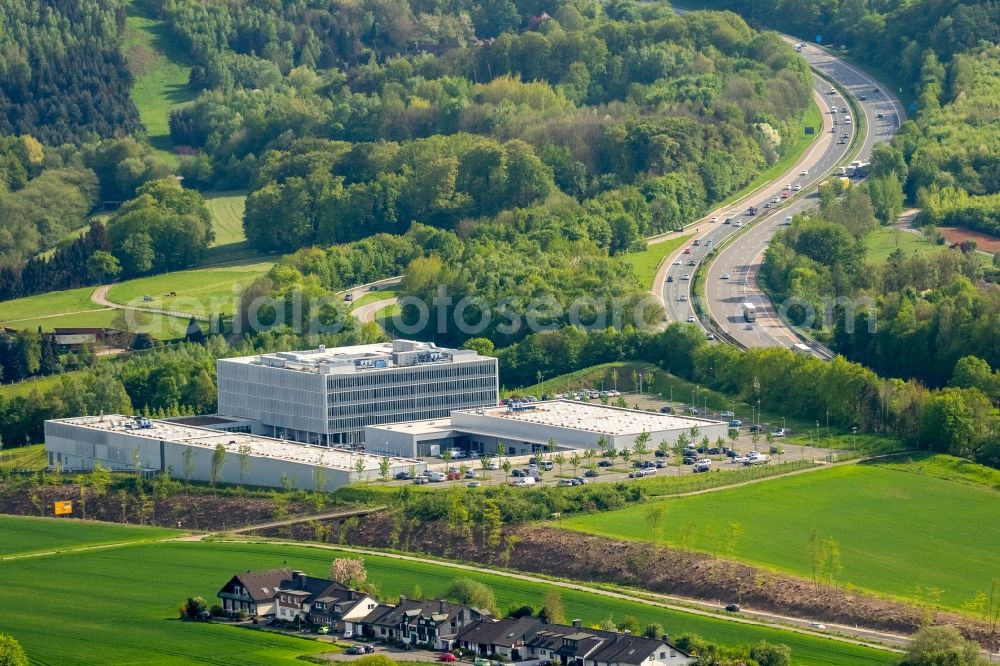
<point x="506" y="467"/>
<point x="574" y="461"/>
<point x="484" y="464"/>
<point x="243" y="455"/>
<point x="359" y="466"/>
<point x="462" y="469"/>
<point x="604" y="444"/>
<point x="447" y="456"/>
<point x="654" y="518"/>
<point x="218" y="460"/>
<point x="384" y="465"/>
<point x="188" y="458"/>
<point x="663" y="447"/>
<point x="640" y="445"/>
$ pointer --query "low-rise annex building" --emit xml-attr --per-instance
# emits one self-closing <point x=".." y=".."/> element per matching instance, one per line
<point x="149" y="446"/>
<point x="524" y="428"/>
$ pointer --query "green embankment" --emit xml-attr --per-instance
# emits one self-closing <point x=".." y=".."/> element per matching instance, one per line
<point x="885" y="520"/>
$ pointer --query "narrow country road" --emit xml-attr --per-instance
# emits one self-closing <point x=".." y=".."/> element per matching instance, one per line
<point x="100" y="297"/>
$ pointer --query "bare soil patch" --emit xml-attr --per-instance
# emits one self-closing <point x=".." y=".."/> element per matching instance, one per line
<point x="984" y="242"/>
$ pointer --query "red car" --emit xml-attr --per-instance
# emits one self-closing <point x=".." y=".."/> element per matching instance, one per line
<point x="446" y="656"/>
<point x="687" y="250"/>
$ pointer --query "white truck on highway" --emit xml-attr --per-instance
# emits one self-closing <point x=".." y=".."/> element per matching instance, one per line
<point x="749" y="312"/>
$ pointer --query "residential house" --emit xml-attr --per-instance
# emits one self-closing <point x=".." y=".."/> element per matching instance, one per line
<point x="342" y="610"/>
<point x="502" y="639"/>
<point x="420" y="622"/>
<point x="531" y="641"/>
<point x="253" y="592"/>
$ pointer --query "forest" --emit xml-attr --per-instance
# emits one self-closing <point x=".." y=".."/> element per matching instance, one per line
<point x="62" y="75"/>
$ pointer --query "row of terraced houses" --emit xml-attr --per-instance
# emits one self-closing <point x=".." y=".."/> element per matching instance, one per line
<point x="292" y="595"/>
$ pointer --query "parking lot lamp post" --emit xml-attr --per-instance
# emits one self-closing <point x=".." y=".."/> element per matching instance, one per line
<point x="671" y="394"/>
<point x="854" y="432"/>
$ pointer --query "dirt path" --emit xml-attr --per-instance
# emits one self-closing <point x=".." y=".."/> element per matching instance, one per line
<point x="100" y="297"/>
<point x="305" y="519"/>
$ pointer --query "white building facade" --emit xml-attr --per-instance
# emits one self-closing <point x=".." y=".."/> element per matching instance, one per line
<point x="328" y="396"/>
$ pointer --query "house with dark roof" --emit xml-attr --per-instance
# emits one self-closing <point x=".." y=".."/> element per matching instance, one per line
<point x="530" y="641"/>
<point x="253" y="592"/>
<point x="320" y="601"/>
<point x="420" y="622"/>
<point x="502" y="639"/>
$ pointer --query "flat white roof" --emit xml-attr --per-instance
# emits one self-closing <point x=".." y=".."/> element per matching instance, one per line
<point x="592" y="417"/>
<point x="357" y="358"/>
<point x="261" y="447"/>
<point x="573" y="414"/>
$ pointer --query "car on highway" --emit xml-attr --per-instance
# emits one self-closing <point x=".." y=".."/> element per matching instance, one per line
<point x="788" y="187"/>
<point x="725" y="276"/>
<point x="863" y="98"/>
<point x="374" y="287"/>
<point x="776" y="200"/>
<point x="686" y="277"/>
<point x="845" y="135"/>
<point x="348" y="298"/>
<point x="841" y="142"/>
<point x="691" y="319"/>
<point x="670" y="278"/>
<point x="710" y="336"/>
<point x="728" y="220"/>
<point x="677" y="262"/>
<point x="682" y="297"/>
<point x="740" y="223"/>
<point x="879" y="115"/>
<point x="804" y="172"/>
<point x="714" y="219"/>
<point x="797" y="188"/>
<point x="692" y="263"/>
<point x="784" y="195"/>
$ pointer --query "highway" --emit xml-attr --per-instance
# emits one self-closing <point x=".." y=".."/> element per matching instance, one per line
<point x="732" y="277"/>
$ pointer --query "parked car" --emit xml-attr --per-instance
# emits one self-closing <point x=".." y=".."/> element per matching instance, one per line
<point x="690" y="460"/>
<point x="778" y="432"/>
<point x="733" y="608"/>
<point x="420" y="480"/>
<point x="702" y="465"/>
<point x="473" y="484"/>
<point x="354" y="649"/>
<point x="605" y="463"/>
<point x="518" y="472"/>
<point x="817" y="625"/>
<point x="402" y="476"/>
<point x="666" y="410"/>
<point x="727" y="414"/>
<point x="369" y="648"/>
<point x="470" y="474"/>
<point x="735" y="423"/>
<point x="565" y="482"/>
<point x="660" y="464"/>
<point x="579" y="480"/>
<point x="446" y="656"/>
<point x="591" y="473"/>
<point x="348" y="634"/>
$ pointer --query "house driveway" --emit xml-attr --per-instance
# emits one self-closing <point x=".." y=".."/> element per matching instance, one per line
<point x="427" y="656"/>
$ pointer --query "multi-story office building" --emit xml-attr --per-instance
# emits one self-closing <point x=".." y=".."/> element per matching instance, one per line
<point x="328" y="396"/>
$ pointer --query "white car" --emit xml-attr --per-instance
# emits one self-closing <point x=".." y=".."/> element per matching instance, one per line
<point x="682" y="298"/>
<point x="817" y="625"/>
<point x="685" y="277"/>
<point x="691" y="318"/>
<point x="677" y="262"/>
<point x="804" y="172"/>
<point x="714" y="219"/>
<point x="776" y="200"/>
<point x="725" y="276"/>
<point x="788" y="187"/>
<point x="797" y="188"/>
<point x="738" y="224"/>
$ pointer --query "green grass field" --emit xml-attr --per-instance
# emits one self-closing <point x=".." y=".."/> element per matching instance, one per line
<point x="161" y="72"/>
<point x="943" y="535"/>
<point x="646" y="262"/>
<point x="24" y="457"/>
<point x="73" y="307"/>
<point x="201" y="290"/>
<point x="124" y="603"/>
<point x="883" y="242"/>
<point x="227" y="216"/>
<point x="42" y="535"/>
